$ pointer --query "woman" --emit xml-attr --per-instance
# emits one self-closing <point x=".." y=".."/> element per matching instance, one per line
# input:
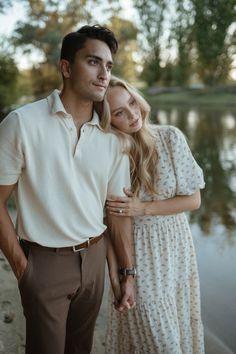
<point x="165" y="183"/>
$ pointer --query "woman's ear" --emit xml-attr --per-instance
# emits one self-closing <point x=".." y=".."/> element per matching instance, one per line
<point x="65" y="68"/>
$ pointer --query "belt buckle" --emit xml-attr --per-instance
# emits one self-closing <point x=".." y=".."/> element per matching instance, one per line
<point x="75" y="249"/>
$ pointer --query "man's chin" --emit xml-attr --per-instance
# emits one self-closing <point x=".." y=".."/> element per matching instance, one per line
<point x="99" y="98"/>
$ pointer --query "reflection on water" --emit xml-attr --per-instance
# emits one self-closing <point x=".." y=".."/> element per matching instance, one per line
<point x="217" y="266"/>
<point x="212" y="137"/>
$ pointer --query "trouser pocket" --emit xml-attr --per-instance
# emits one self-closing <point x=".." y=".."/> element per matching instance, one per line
<point x="26" y="250"/>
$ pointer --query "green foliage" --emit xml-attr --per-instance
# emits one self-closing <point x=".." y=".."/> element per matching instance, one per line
<point x="168" y="73"/>
<point x="126" y="34"/>
<point x="46" y="24"/>
<point x="212" y="20"/>
<point x="152" y="72"/>
<point x="181" y="32"/>
<point x="46" y="78"/>
<point x="151" y="14"/>
<point x="198" y="29"/>
<point x="24" y="86"/>
<point x="8" y="83"/>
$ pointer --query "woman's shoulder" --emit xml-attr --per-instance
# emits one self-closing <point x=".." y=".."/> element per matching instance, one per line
<point x="165" y="131"/>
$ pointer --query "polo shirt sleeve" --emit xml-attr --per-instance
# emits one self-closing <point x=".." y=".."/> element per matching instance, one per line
<point x="11" y="154"/>
<point x="120" y="176"/>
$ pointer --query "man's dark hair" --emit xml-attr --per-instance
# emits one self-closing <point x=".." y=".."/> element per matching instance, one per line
<point x="74" y="41"/>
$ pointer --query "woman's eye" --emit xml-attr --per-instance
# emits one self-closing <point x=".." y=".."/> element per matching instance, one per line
<point x="132" y="103"/>
<point x="119" y="114"/>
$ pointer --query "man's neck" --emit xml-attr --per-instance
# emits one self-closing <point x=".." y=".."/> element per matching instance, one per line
<point x="80" y="110"/>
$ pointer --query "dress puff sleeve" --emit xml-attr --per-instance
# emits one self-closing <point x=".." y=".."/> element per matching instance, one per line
<point x="189" y="175"/>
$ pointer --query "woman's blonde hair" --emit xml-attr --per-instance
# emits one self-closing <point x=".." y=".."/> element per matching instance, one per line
<point x="140" y="146"/>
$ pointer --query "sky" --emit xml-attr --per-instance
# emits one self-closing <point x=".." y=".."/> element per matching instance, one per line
<point x="8" y="20"/>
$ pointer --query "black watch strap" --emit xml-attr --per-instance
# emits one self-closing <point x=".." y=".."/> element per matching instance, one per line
<point x="128" y="271"/>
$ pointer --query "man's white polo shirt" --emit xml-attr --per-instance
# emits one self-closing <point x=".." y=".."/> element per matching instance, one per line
<point x="62" y="182"/>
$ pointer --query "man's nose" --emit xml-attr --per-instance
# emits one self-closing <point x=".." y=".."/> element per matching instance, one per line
<point x="103" y="73"/>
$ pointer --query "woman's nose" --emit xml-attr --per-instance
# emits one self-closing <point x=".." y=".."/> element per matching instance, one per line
<point x="132" y="114"/>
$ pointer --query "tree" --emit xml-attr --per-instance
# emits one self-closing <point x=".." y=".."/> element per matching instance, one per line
<point x="212" y="20"/>
<point x="47" y="22"/>
<point x="126" y="34"/>
<point x="181" y="32"/>
<point x="8" y="83"/>
<point x="151" y="14"/>
<point x="198" y="29"/>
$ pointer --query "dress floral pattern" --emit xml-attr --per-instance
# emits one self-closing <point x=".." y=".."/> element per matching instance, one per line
<point x="167" y="317"/>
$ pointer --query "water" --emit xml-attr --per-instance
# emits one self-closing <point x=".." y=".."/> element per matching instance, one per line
<point x="211" y="135"/>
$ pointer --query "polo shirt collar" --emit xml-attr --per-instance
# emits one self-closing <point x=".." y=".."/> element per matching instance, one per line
<point x="55" y="103"/>
<point x="95" y="120"/>
<point x="56" y="106"/>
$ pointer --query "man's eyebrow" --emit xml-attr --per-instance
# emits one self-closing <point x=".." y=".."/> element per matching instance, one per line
<point x="110" y="62"/>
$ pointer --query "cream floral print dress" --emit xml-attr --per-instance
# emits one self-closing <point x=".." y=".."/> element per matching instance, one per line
<point x="167" y="317"/>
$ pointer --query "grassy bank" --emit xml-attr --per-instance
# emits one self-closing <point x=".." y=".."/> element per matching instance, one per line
<point x="203" y="98"/>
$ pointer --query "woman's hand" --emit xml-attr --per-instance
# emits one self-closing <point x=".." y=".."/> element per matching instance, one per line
<point x="125" y="206"/>
<point x="132" y="206"/>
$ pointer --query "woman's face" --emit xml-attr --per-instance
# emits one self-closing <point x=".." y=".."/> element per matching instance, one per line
<point x="125" y="111"/>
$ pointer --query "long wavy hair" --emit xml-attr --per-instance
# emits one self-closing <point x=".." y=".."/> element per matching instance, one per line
<point x="140" y="146"/>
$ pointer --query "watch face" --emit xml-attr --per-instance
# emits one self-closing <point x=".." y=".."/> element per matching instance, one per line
<point x="128" y="271"/>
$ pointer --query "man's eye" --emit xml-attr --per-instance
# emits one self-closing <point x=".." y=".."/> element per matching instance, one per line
<point x="132" y="103"/>
<point x="109" y="68"/>
<point x="93" y="61"/>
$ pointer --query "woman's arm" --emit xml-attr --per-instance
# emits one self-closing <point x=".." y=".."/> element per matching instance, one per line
<point x="133" y="206"/>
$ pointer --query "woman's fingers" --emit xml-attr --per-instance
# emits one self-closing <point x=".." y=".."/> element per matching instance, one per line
<point x="116" y="205"/>
<point x="117" y="211"/>
<point x="116" y="199"/>
<point x="128" y="192"/>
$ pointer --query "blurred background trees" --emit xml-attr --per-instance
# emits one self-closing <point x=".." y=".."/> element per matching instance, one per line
<point x="168" y="43"/>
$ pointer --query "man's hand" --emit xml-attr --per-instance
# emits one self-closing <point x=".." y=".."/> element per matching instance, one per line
<point x="127" y="301"/>
<point x="8" y="239"/>
<point x="19" y="272"/>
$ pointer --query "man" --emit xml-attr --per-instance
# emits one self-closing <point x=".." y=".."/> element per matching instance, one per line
<point x="61" y="164"/>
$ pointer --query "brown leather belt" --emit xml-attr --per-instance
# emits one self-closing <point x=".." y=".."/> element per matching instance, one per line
<point x="91" y="241"/>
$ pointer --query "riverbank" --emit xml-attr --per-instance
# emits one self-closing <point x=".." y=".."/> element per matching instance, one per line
<point x="217" y="98"/>
<point x="12" y="323"/>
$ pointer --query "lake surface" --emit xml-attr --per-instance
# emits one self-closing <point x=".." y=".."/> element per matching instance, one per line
<point x="211" y="135"/>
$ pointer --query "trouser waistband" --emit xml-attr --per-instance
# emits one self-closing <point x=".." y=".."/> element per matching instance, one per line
<point x="76" y="248"/>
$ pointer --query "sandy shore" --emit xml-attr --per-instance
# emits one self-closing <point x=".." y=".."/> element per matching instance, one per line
<point x="12" y="324"/>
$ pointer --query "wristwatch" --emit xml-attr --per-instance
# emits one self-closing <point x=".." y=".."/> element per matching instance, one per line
<point x="128" y="271"/>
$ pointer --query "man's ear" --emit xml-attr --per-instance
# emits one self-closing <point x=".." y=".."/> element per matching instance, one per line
<point x="65" y="68"/>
